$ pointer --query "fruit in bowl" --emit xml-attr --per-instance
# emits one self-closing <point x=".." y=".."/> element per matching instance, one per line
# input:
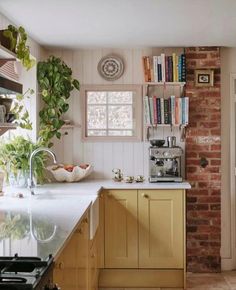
<point x="70" y="172"/>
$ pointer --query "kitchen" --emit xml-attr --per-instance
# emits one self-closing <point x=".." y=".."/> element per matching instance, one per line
<point x="116" y="246"/>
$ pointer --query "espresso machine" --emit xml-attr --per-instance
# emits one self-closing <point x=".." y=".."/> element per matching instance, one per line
<point x="165" y="162"/>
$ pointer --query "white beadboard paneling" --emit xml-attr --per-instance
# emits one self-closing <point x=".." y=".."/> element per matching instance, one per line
<point x="98" y="160"/>
<point x="117" y="149"/>
<point x="131" y="158"/>
<point x="128" y="156"/>
<point x="107" y="160"/>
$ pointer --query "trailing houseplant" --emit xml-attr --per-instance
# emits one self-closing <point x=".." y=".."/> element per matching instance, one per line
<point x="18" y="38"/>
<point x="56" y="83"/>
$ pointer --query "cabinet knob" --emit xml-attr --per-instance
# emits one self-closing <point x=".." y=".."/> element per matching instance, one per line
<point x="61" y="265"/>
<point x="85" y="220"/>
<point x="92" y="255"/>
<point x="144" y="195"/>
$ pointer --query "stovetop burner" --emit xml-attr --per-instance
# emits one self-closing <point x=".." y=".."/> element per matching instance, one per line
<point x="22" y="272"/>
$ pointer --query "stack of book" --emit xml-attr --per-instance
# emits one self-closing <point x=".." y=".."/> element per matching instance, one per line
<point x="164" y="68"/>
<point x="172" y="110"/>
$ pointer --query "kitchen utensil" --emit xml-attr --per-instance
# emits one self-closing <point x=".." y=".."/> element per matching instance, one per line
<point x="118" y="175"/>
<point x="139" y="178"/>
<point x="171" y="141"/>
<point x="157" y="142"/>
<point x="7" y="102"/>
<point x="129" y="179"/>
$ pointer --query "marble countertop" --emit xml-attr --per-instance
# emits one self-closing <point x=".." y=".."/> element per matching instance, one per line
<point x="39" y="225"/>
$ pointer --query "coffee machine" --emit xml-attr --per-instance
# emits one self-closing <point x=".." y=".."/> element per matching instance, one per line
<point x="165" y="164"/>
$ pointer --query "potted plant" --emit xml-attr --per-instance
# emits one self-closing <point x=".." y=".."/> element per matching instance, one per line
<point x="15" y="40"/>
<point x="55" y="83"/>
<point x="14" y="160"/>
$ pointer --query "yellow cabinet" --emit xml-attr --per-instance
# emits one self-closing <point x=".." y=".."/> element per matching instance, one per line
<point x="161" y="228"/>
<point x="71" y="267"/>
<point x="93" y="265"/>
<point x="121" y="229"/>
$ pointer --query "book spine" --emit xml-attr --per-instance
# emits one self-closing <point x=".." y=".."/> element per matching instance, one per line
<point x="186" y="110"/>
<point x="159" y="69"/>
<point x="155" y="109"/>
<point x="147" y="111"/>
<point x="166" y="111"/>
<point x="183" y="110"/>
<point x="172" y="110"/>
<point x="163" y="72"/>
<point x="151" y="110"/>
<point x="176" y="111"/>
<point x="162" y="111"/>
<point x="180" y="69"/>
<point x="174" y="66"/>
<point x="169" y="112"/>
<point x="177" y="68"/>
<point x="155" y="69"/>
<point x="158" y="111"/>
<point x="149" y="68"/>
<point x="183" y="77"/>
<point x="166" y="69"/>
<point x="145" y="69"/>
<point x="180" y="110"/>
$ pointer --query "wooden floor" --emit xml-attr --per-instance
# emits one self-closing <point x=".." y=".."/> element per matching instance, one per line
<point x="221" y="281"/>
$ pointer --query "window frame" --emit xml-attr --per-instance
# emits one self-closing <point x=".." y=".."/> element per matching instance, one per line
<point x="137" y="111"/>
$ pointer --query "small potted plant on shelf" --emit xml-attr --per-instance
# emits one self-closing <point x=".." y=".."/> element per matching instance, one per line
<point x="15" y="39"/>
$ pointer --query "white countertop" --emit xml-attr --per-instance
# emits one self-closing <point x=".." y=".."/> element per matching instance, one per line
<point x="55" y="207"/>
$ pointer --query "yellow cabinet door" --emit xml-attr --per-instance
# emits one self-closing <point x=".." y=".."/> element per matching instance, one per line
<point x="121" y="229"/>
<point x="71" y="267"/>
<point x="161" y="228"/>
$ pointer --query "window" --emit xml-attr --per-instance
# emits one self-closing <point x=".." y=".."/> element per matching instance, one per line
<point x="112" y="112"/>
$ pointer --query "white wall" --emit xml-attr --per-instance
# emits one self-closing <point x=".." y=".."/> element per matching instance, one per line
<point x="132" y="158"/>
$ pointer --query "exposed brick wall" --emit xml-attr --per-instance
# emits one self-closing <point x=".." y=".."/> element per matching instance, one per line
<point x="203" y="139"/>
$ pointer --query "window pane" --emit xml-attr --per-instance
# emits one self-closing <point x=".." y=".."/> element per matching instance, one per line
<point x="120" y="133"/>
<point x="120" y="97"/>
<point x="96" y="97"/>
<point x="120" y="117"/>
<point x="96" y="133"/>
<point x="96" y="117"/>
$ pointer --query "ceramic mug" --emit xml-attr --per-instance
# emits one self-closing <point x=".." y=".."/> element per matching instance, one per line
<point x="2" y="113"/>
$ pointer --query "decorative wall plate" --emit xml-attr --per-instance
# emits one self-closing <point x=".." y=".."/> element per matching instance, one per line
<point x="111" y="67"/>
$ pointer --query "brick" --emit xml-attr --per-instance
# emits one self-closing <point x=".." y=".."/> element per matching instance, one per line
<point x="215" y="162"/>
<point x="208" y="48"/>
<point x="193" y="55"/>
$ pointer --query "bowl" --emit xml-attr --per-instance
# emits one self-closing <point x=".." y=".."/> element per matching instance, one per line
<point x="75" y="174"/>
<point x="157" y="142"/>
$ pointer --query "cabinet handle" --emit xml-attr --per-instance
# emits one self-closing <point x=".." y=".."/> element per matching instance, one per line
<point x="85" y="220"/>
<point x="144" y="195"/>
<point x="61" y="266"/>
<point x="93" y="255"/>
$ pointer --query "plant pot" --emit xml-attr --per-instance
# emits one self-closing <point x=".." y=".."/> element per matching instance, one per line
<point x="6" y="42"/>
<point x="21" y="180"/>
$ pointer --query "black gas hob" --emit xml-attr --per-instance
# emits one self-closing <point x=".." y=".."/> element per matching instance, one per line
<point x="26" y="273"/>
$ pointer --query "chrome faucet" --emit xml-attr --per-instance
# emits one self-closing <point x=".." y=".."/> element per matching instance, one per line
<point x="31" y="184"/>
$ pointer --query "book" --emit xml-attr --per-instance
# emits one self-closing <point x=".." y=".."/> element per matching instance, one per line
<point x="155" y="109"/>
<point x="174" y="66"/>
<point x="155" y="69"/>
<point x="183" y="61"/>
<point x="186" y="110"/>
<point x="159" y="71"/>
<point x="166" y="111"/>
<point x="147" y="111"/>
<point x="145" y="69"/>
<point x="158" y="110"/>
<point x="172" y="110"/>
<point x="166" y="69"/>
<point x="162" y="111"/>
<point x="180" y="68"/>
<point x="151" y="110"/>
<point x="163" y="71"/>
<point x="183" y="111"/>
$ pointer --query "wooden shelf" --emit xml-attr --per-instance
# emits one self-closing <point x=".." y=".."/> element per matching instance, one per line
<point x="165" y="83"/>
<point x="6" y="53"/>
<point x="166" y="125"/>
<point x="4" y="127"/>
<point x="70" y="126"/>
